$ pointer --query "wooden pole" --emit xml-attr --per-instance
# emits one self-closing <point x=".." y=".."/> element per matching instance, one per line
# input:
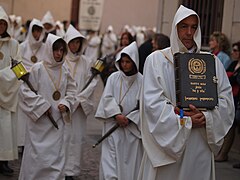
<point x="75" y="12"/>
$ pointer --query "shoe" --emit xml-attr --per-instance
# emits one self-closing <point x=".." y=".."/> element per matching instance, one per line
<point x="7" y="168"/>
<point x="5" y="171"/>
<point x="236" y="166"/>
<point x="69" y="178"/>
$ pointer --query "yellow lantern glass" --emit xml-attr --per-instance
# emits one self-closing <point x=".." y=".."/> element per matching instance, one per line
<point x="19" y="70"/>
<point x="99" y="65"/>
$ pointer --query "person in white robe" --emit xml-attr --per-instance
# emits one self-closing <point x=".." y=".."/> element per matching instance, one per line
<point x="109" y="42"/>
<point x="19" y="31"/>
<point x="49" y="24"/>
<point x="93" y="44"/>
<point x="175" y="150"/>
<point x="45" y="145"/>
<point x="122" y="150"/>
<point x="79" y="67"/>
<point x="33" y="48"/>
<point x="9" y="48"/>
<point x="32" y="51"/>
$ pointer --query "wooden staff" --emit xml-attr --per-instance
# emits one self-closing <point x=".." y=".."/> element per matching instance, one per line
<point x="110" y="131"/>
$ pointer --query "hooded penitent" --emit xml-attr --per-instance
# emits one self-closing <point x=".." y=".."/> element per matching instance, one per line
<point x="9" y="48"/>
<point x="132" y="51"/>
<point x="48" y="19"/>
<point x="33" y="50"/>
<point x="176" y="44"/>
<point x="4" y="17"/>
<point x="49" y="60"/>
<point x="120" y="96"/>
<point x="79" y="67"/>
<point x="173" y="149"/>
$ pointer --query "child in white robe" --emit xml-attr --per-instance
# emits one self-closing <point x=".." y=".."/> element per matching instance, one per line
<point x="44" y="153"/>
<point x="122" y="150"/>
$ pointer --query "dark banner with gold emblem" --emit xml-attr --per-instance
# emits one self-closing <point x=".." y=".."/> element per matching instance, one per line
<point x="196" y="81"/>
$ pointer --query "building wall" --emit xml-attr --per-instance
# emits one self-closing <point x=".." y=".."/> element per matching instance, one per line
<point x="118" y="13"/>
<point x="29" y="9"/>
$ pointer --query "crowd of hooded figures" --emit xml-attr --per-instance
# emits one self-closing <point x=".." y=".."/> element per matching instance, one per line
<point x="153" y="138"/>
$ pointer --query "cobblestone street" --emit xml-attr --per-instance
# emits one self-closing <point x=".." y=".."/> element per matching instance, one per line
<point x="91" y="156"/>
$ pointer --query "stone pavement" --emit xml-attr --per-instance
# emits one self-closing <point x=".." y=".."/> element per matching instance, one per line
<point x="91" y="156"/>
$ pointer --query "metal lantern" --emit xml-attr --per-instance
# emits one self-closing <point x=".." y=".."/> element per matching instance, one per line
<point x="18" y="69"/>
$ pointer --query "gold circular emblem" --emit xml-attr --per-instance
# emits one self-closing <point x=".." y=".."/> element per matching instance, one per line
<point x="197" y="66"/>
<point x="34" y="59"/>
<point x="1" y="55"/>
<point x="56" y="95"/>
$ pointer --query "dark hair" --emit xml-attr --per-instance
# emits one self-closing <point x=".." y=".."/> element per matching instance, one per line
<point x="236" y="44"/>
<point x="129" y="35"/>
<point x="36" y="28"/>
<point x="134" y="69"/>
<point x="162" y="40"/>
<point x="59" y="44"/>
<point x="222" y="40"/>
<point x="81" y="42"/>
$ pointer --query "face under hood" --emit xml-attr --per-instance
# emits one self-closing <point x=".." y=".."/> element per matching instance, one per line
<point x="48" y="18"/>
<point x="49" y="59"/>
<point x="73" y="33"/>
<point x="30" y="37"/>
<point x="132" y="51"/>
<point x="176" y="44"/>
<point x="4" y="16"/>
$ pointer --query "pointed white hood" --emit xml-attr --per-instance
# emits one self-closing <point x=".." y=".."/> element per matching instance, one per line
<point x="4" y="16"/>
<point x="35" y="44"/>
<point x="132" y="51"/>
<point x="48" y="18"/>
<point x="49" y="60"/>
<point x="176" y="44"/>
<point x="71" y="34"/>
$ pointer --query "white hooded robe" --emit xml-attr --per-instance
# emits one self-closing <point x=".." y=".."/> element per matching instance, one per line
<point x="8" y="95"/>
<point x="79" y="67"/>
<point x="122" y="150"/>
<point x="174" y="151"/>
<point x="44" y="152"/>
<point x="30" y="47"/>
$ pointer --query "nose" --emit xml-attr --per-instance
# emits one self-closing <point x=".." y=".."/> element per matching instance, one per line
<point x="189" y="30"/>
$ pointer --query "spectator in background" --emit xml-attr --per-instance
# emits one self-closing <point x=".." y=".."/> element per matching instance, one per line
<point x="219" y="46"/>
<point x="145" y="49"/>
<point x="160" y="41"/>
<point x="233" y="72"/>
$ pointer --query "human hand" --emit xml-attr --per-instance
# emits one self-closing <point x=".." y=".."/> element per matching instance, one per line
<point x="121" y="120"/>
<point x="62" y="108"/>
<point x="197" y="117"/>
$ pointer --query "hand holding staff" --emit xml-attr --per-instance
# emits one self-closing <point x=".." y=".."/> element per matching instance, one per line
<point x="110" y="131"/>
<point x="21" y="73"/>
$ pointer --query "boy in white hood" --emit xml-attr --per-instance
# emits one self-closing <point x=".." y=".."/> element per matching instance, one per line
<point x="79" y="67"/>
<point x="122" y="150"/>
<point x="32" y="51"/>
<point x="175" y="150"/>
<point x="45" y="147"/>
